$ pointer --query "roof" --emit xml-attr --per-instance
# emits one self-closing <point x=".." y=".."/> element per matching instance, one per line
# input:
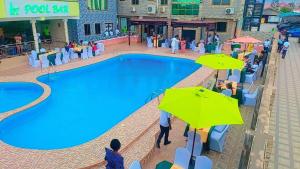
<point x="270" y="12"/>
<point x="245" y="39"/>
<point x="289" y="14"/>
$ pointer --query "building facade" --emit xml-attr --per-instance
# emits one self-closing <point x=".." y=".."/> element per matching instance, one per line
<point x="96" y="17"/>
<point x="227" y="14"/>
<point x="34" y="21"/>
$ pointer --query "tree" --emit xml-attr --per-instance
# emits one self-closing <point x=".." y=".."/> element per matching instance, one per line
<point x="285" y="9"/>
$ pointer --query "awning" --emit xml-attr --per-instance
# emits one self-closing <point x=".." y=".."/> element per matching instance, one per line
<point x="174" y="23"/>
<point x="149" y="21"/>
<point x="192" y="23"/>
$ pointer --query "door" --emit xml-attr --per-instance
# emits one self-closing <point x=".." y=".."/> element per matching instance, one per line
<point x="189" y="36"/>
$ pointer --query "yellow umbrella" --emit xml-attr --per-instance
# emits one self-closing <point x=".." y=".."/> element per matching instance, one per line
<point x="201" y="107"/>
<point x="220" y="62"/>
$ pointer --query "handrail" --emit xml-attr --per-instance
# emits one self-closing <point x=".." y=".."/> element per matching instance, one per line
<point x="154" y="94"/>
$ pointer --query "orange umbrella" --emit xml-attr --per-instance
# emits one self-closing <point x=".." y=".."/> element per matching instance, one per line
<point x="245" y="39"/>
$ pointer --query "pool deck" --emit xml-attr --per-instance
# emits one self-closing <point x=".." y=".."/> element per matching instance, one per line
<point x="137" y="140"/>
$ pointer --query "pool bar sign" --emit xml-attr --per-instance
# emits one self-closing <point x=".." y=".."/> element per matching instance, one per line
<point x="31" y="8"/>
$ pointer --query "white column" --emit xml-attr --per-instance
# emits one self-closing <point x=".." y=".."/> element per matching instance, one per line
<point x="35" y="37"/>
<point x="66" y="30"/>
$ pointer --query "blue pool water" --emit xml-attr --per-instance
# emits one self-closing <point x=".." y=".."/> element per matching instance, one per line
<point x="88" y="101"/>
<point x="17" y="94"/>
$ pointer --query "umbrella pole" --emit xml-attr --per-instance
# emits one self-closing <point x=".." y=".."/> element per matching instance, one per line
<point x="194" y="138"/>
<point x="217" y="76"/>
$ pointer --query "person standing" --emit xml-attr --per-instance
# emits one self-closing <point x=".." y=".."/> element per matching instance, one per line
<point x="18" y="39"/>
<point x="182" y="45"/>
<point x="165" y="127"/>
<point x="285" y="48"/>
<point x="174" y="44"/>
<point x="267" y="45"/>
<point x="113" y="157"/>
<point x="280" y="44"/>
<point x="264" y="58"/>
<point x="209" y="39"/>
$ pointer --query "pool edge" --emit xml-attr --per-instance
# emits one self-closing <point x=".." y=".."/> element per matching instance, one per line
<point x="89" y="146"/>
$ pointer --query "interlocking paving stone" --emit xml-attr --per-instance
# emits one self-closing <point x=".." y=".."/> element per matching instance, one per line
<point x="285" y="117"/>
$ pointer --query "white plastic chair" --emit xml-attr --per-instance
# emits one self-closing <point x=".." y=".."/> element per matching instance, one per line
<point x="250" y="78"/>
<point x="149" y="42"/>
<point x="58" y="59"/>
<point x="227" y="92"/>
<point x="249" y="99"/>
<point x="73" y="55"/>
<point x="201" y="49"/>
<point x="42" y="50"/>
<point x="32" y="59"/>
<point x="219" y="48"/>
<point x="197" y="144"/>
<point x="44" y="61"/>
<point x="57" y="49"/>
<point x="85" y="43"/>
<point x="84" y="54"/>
<point x="106" y="33"/>
<point x="135" y="165"/>
<point x="203" y="162"/>
<point x="90" y="52"/>
<point x="66" y="57"/>
<point x="233" y="78"/>
<point x="193" y="45"/>
<point x="182" y="158"/>
<point x="101" y="47"/>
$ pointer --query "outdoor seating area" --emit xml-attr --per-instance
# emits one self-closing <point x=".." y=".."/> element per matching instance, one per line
<point x="59" y="56"/>
<point x="213" y="138"/>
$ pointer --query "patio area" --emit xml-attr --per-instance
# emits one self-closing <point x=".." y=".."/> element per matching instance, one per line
<point x="17" y="69"/>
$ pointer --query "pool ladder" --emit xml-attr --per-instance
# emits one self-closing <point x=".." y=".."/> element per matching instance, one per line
<point x="155" y="94"/>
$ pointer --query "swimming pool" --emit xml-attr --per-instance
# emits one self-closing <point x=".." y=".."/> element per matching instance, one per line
<point x="88" y="101"/>
<point x="17" y="94"/>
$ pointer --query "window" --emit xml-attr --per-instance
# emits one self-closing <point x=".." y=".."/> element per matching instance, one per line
<point x="164" y="2"/>
<point x="222" y="27"/>
<point x="185" y="7"/>
<point x="109" y="26"/>
<point x="97" y="28"/>
<point x="87" y="29"/>
<point x="221" y="2"/>
<point x="100" y="5"/>
<point x="123" y="24"/>
<point x="134" y="2"/>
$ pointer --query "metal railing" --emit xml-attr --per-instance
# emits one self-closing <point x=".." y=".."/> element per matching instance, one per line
<point x="13" y="49"/>
<point x="153" y="95"/>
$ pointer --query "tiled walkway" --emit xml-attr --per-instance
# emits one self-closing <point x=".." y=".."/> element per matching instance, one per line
<point x="285" y="121"/>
